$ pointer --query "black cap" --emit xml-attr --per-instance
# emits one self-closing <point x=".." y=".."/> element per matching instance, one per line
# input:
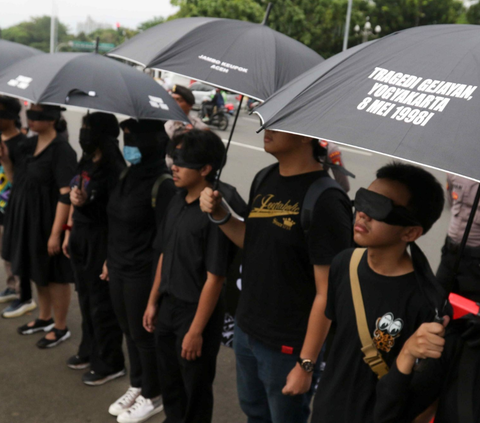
<point x="185" y="93"/>
<point x="11" y="105"/>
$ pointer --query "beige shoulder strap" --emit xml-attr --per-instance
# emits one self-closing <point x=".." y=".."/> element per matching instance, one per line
<point x="372" y="356"/>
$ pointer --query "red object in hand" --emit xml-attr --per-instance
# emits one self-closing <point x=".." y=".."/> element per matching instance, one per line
<point x="66" y="227"/>
<point x="462" y="306"/>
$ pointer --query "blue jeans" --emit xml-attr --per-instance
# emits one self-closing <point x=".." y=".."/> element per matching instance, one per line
<point x="261" y="375"/>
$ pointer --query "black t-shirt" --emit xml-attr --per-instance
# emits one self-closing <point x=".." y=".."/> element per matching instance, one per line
<point x="191" y="246"/>
<point x="133" y="222"/>
<point x="98" y="180"/>
<point x="278" y="284"/>
<point x="394" y="307"/>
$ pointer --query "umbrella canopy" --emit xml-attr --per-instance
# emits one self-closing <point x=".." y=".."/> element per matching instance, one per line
<point x="89" y="81"/>
<point x="411" y="95"/>
<point x="11" y="52"/>
<point x="239" y="56"/>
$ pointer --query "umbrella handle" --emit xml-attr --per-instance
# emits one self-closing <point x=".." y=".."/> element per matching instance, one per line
<point x="77" y="91"/>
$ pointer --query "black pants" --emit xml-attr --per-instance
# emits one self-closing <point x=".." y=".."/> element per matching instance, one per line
<point x="467" y="280"/>
<point x="186" y="385"/>
<point x="101" y="333"/>
<point x="130" y="298"/>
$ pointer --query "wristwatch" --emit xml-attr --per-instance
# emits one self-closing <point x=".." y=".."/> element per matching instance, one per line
<point x="306" y="364"/>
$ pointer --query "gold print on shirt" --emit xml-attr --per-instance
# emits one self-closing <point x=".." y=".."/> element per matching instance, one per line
<point x="287" y="224"/>
<point x="387" y="329"/>
<point x="266" y="207"/>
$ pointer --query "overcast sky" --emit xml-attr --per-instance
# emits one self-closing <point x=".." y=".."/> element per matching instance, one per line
<point x="128" y="13"/>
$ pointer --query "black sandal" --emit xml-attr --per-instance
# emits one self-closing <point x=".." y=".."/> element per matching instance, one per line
<point x="60" y="336"/>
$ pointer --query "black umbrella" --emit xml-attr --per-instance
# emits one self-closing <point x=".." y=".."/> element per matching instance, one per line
<point x="239" y="56"/>
<point x="411" y="95"/>
<point x="11" y="53"/>
<point x="89" y="81"/>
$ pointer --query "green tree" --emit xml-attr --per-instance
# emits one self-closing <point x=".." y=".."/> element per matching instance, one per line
<point x="36" y="33"/>
<point x="245" y="10"/>
<point x="402" y="14"/>
<point x="473" y="14"/>
<point x="152" y="22"/>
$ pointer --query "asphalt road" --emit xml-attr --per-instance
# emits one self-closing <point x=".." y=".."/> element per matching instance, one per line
<point x="37" y="387"/>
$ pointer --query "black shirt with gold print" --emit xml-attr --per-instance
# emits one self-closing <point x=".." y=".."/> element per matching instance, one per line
<point x="278" y="285"/>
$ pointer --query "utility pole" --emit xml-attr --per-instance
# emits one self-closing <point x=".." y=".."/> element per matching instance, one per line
<point x="52" y="28"/>
<point x="347" y="25"/>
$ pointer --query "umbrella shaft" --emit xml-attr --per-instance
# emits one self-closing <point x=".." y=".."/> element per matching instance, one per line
<point x="217" y="179"/>
<point x="467" y="231"/>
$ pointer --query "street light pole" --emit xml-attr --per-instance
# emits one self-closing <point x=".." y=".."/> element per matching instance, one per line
<point x="347" y="25"/>
<point x="52" y="29"/>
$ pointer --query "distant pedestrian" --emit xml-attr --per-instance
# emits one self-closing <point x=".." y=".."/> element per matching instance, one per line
<point x="186" y="100"/>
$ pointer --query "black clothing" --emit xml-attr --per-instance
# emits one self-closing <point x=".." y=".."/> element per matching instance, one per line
<point x="31" y="211"/>
<point x="14" y="146"/>
<point x="132" y="222"/>
<point x="186" y="385"/>
<point x="98" y="179"/>
<point x="394" y="307"/>
<point x="400" y="397"/>
<point x="88" y="250"/>
<point x="466" y="281"/>
<point x="191" y="247"/>
<point x="278" y="280"/>
<point x="25" y="289"/>
<point x="130" y="297"/>
<point x="5" y="185"/>
<point x="101" y="334"/>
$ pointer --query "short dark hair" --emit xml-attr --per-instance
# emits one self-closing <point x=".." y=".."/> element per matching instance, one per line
<point x="102" y="123"/>
<point x="11" y="104"/>
<point x="185" y="93"/>
<point x="426" y="193"/>
<point x="199" y="146"/>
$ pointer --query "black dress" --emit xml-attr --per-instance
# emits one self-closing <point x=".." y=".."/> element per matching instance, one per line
<point x="31" y="211"/>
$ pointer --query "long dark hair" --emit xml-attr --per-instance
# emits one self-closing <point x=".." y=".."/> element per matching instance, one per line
<point x="106" y="126"/>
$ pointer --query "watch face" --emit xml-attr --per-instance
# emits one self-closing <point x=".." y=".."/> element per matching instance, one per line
<point x="307" y="366"/>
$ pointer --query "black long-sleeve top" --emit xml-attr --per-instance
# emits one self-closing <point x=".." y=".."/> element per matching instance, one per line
<point x="401" y="398"/>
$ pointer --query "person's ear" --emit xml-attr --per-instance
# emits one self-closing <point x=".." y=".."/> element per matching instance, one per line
<point x="412" y="233"/>
<point x="307" y="140"/>
<point x="205" y="170"/>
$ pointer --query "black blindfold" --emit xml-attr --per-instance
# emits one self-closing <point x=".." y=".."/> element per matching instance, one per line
<point x="180" y="161"/>
<point x="381" y="208"/>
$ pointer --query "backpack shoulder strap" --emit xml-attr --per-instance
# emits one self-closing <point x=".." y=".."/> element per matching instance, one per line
<point x="261" y="177"/>
<point x="156" y="186"/>
<point x="372" y="356"/>
<point x="313" y="194"/>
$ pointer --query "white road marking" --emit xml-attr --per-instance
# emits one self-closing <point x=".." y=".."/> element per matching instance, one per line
<point x="251" y="119"/>
<point x="252" y="147"/>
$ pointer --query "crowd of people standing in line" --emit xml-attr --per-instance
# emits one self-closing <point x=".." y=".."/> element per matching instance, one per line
<point x="148" y="247"/>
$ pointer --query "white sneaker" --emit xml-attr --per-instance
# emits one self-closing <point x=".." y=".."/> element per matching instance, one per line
<point x="125" y="401"/>
<point x="142" y="410"/>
